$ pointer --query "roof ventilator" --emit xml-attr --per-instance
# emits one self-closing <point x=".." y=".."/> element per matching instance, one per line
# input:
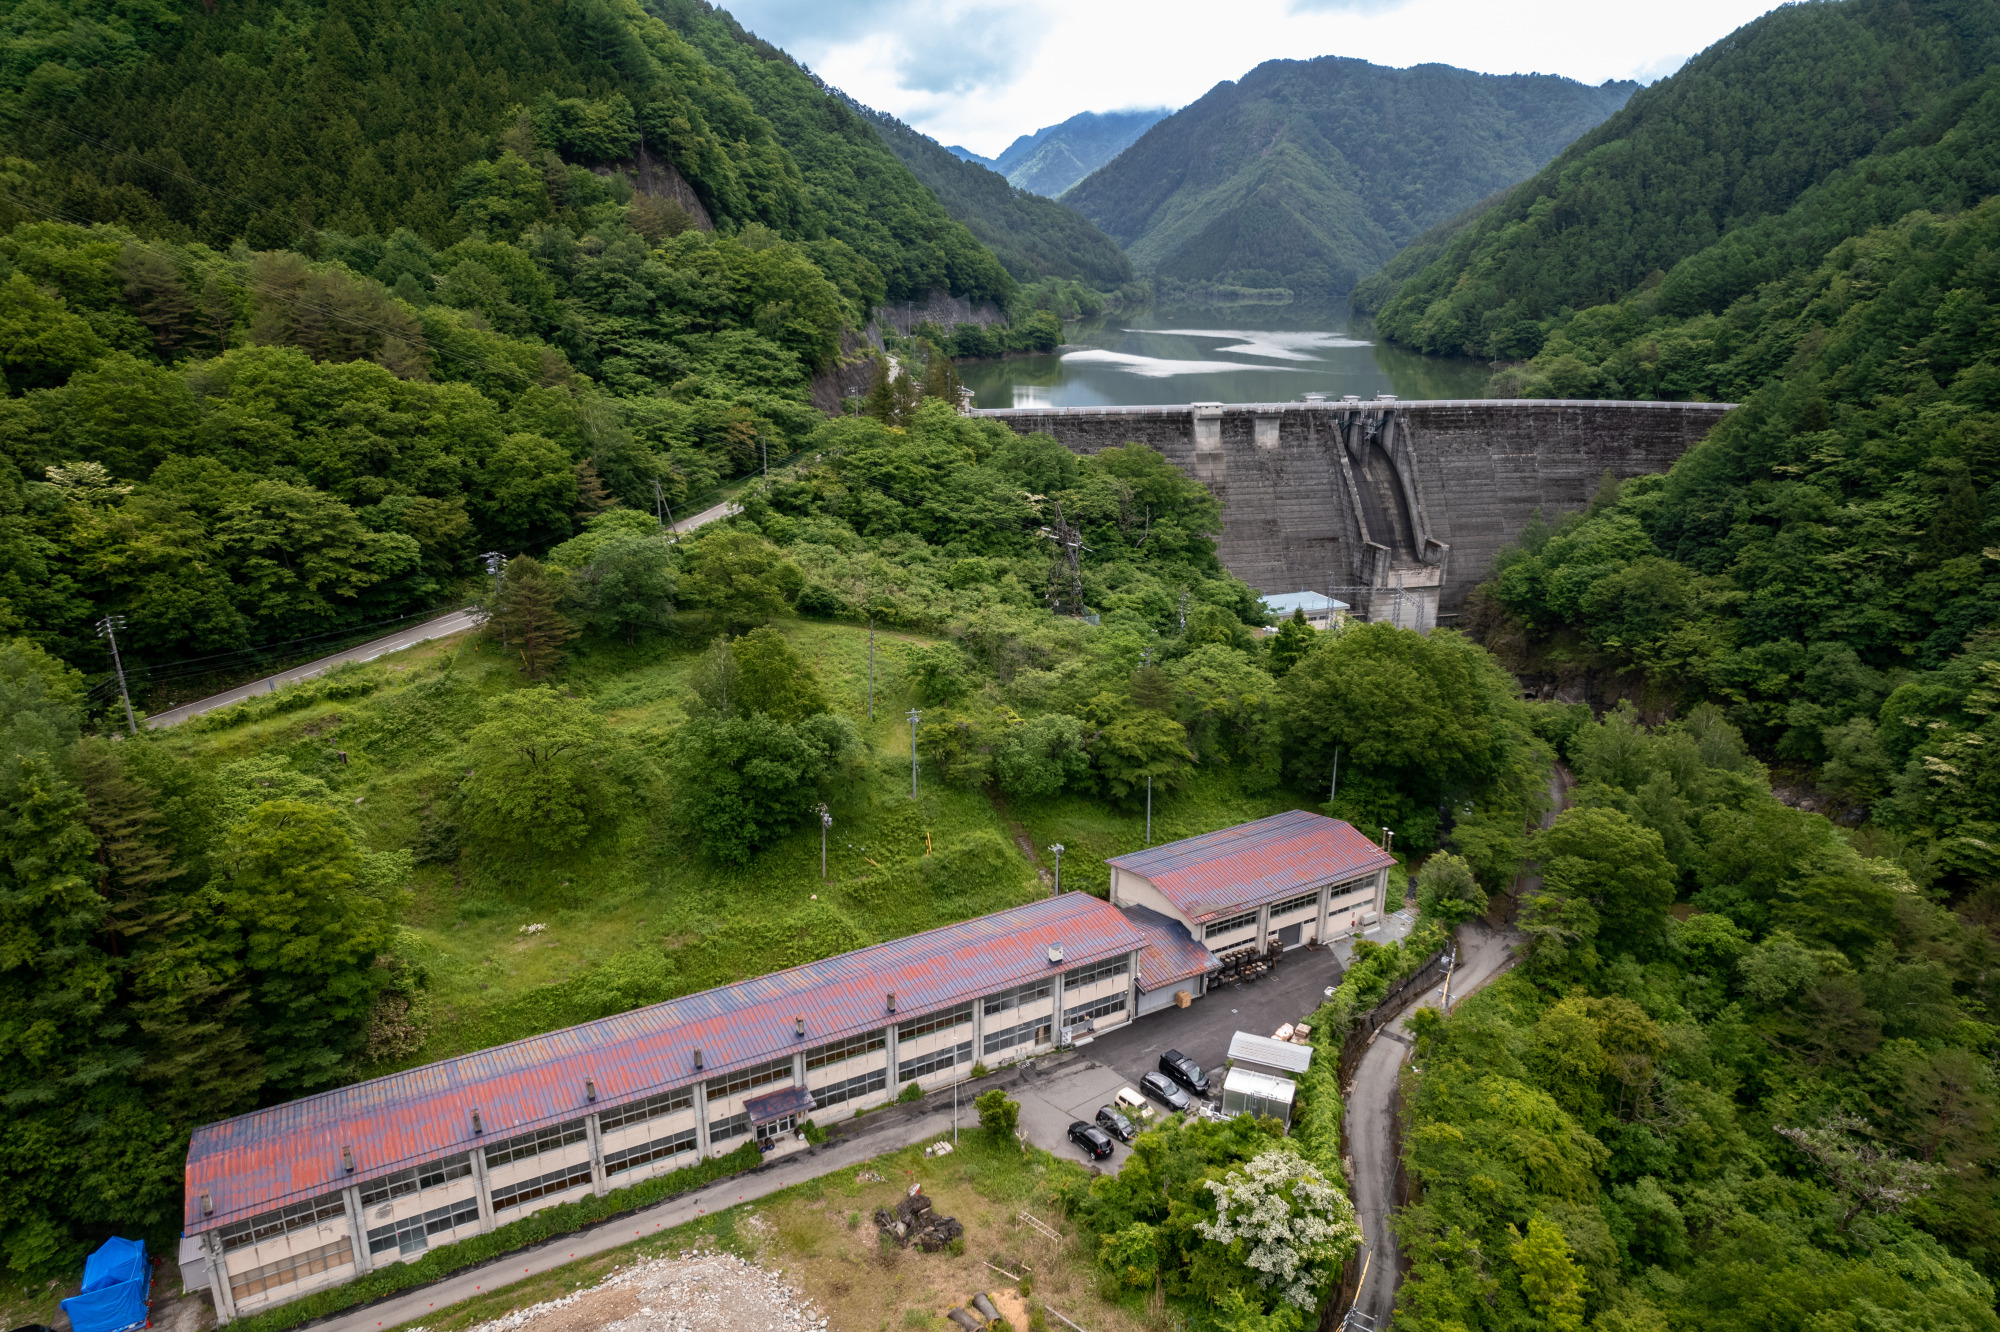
<point x="477" y="1127"/>
<point x="590" y="1089"/>
<point x="799" y="1025"/>
<point x="207" y="1204"/>
<point x="347" y="1159"/>
<point x="697" y="1058"/>
<point x="1055" y="955"/>
<point x="892" y="1001"/>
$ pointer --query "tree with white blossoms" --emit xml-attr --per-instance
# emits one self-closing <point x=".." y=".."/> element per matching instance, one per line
<point x="1288" y="1223"/>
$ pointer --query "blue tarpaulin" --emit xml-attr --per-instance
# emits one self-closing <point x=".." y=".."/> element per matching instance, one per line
<point x="117" y="1282"/>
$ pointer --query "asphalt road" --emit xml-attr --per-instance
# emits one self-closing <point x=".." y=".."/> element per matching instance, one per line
<point x="455" y="622"/>
<point x="1372" y="1106"/>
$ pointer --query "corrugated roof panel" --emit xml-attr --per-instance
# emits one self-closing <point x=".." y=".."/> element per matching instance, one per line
<point x="1171" y="953"/>
<point x="1237" y="869"/>
<point x="267" y="1158"/>
<point x="1269" y="1052"/>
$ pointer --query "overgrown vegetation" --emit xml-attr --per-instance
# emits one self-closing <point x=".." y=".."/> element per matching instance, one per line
<point x="1770" y="1108"/>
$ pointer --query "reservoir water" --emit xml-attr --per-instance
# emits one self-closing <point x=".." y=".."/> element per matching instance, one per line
<point x="1230" y="353"/>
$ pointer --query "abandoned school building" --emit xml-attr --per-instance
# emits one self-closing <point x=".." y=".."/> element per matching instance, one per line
<point x="292" y="1199"/>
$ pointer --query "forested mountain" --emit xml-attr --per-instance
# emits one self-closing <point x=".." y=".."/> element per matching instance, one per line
<point x="1034" y="237"/>
<point x="1309" y="174"/>
<point x="265" y="123"/>
<point x="1056" y="157"/>
<point x="1811" y="124"/>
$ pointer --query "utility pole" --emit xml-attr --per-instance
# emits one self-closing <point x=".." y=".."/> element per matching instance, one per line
<point x="1057" y="849"/>
<point x="1149" y="809"/>
<point x="1065" y="566"/>
<point x="495" y="562"/>
<point x="107" y="629"/>
<point x="825" y="822"/>
<point x="765" y="445"/>
<point x="1334" y="788"/>
<point x="915" y="717"/>
<point x="661" y="507"/>
<point x="1184" y="601"/>
<point x="871" y="668"/>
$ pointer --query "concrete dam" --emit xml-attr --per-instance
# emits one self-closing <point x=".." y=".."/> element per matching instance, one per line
<point x="1396" y="508"/>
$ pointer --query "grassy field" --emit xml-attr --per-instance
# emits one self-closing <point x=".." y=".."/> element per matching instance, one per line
<point x="820" y="1235"/>
<point x="639" y="914"/>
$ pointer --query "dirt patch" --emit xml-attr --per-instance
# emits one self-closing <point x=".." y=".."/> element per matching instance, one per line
<point x="693" y="1292"/>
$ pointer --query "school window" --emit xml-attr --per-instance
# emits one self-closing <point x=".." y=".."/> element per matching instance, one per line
<point x="1009" y="1037"/>
<point x="1017" y="997"/>
<point x="1117" y="966"/>
<point x="415" y="1179"/>
<point x="1216" y="929"/>
<point x="412" y="1233"/>
<point x="935" y="1062"/>
<point x="862" y="1084"/>
<point x="847" y="1049"/>
<point x="750" y="1077"/>
<point x="638" y="1112"/>
<point x="1105" y="1007"/>
<point x="1285" y="908"/>
<point x="534" y="1144"/>
<point x="284" y="1220"/>
<point x="288" y="1270"/>
<point x="722" y="1130"/>
<point x="945" y="1021"/>
<point x="659" y="1149"/>
<point x="541" y="1186"/>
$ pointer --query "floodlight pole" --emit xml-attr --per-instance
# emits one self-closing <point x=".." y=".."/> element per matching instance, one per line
<point x="825" y="822"/>
<point x="1334" y="789"/>
<point x="495" y="562"/>
<point x="915" y="717"/>
<point x="1057" y="849"/>
<point x="871" y="668"/>
<point x="108" y="627"/>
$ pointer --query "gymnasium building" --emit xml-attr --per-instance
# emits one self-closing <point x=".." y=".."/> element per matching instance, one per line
<point x="291" y="1199"/>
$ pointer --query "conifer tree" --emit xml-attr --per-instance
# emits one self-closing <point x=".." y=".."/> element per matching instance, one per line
<point x="528" y="617"/>
<point x="941" y="378"/>
<point x="881" y="400"/>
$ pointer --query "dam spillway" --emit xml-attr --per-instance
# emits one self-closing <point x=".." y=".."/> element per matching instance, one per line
<point x="1397" y="508"/>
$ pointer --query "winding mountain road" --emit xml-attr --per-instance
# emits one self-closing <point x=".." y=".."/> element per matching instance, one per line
<point x="1374" y="1099"/>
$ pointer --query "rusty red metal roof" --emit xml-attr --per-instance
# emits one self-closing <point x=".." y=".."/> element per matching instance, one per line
<point x="268" y="1158"/>
<point x="1171" y="953"/>
<point x="1241" y="868"/>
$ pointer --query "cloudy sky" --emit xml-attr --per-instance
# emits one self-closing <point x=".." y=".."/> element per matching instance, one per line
<point x="979" y="72"/>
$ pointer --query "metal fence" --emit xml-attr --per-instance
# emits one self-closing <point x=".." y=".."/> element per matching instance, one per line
<point x="1398" y="997"/>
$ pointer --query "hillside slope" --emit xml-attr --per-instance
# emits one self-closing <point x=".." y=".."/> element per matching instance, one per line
<point x="1034" y="237"/>
<point x="1709" y="163"/>
<point x="1310" y="174"/>
<point x="268" y="122"/>
<point x="1056" y="157"/>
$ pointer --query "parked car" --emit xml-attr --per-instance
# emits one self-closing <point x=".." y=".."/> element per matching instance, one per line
<point x="1132" y="1105"/>
<point x="1115" y="1124"/>
<point x="1091" y="1138"/>
<point x="1165" y="1090"/>
<point x="1184" y="1071"/>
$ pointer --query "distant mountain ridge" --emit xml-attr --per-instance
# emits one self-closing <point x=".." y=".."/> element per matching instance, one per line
<point x="1033" y="237"/>
<point x="1056" y="157"/>
<point x="1310" y="174"/>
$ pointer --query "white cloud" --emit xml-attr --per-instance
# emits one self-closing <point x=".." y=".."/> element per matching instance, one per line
<point x="979" y="73"/>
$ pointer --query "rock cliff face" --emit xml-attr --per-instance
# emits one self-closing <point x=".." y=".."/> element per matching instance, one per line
<point x="1396" y="508"/>
<point x="940" y="308"/>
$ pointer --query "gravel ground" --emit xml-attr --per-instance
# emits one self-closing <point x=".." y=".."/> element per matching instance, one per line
<point x="695" y="1292"/>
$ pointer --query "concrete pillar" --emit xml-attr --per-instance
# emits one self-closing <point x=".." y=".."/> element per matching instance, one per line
<point x="701" y="1117"/>
<point x="1263" y="926"/>
<point x="218" y="1277"/>
<point x="1056" y="1018"/>
<point x="481" y="1190"/>
<point x="599" y="1182"/>
<point x="1325" y="899"/>
<point x="357" y="1226"/>
<point x="1381" y="893"/>
<point x="1132" y="989"/>
<point x="889" y="1050"/>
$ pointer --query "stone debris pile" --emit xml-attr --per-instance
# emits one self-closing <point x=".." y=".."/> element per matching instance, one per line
<point x="698" y="1291"/>
<point x="915" y="1222"/>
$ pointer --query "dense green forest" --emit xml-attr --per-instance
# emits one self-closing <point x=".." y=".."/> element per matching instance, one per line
<point x="1811" y="124"/>
<point x="1773" y="1107"/>
<point x="1310" y="174"/>
<point x="1033" y="236"/>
